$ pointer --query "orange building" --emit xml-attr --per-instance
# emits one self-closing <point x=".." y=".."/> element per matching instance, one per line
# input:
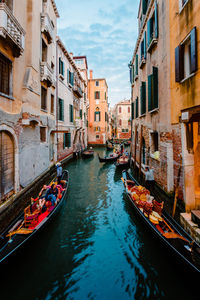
<point x="98" y="130"/>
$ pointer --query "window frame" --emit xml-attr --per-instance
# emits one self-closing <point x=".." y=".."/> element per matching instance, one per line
<point x="9" y="66"/>
<point x="44" y="108"/>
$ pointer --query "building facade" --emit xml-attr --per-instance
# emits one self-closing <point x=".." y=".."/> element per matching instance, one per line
<point x="185" y="89"/>
<point x="27" y="91"/>
<point x="98" y="129"/>
<point x="71" y="89"/>
<point x="152" y="142"/>
<point x="122" y="113"/>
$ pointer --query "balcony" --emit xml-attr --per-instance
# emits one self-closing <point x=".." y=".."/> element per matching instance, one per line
<point x="153" y="42"/>
<point x="78" y="91"/>
<point x="142" y="62"/>
<point x="47" y="27"/>
<point x="11" y="30"/>
<point x="47" y="74"/>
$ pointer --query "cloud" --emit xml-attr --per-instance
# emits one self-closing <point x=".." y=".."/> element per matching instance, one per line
<point x="106" y="32"/>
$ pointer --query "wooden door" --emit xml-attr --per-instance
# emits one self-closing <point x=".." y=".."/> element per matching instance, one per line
<point x="6" y="163"/>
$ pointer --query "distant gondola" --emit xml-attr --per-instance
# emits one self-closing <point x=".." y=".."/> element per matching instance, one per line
<point x="122" y="162"/>
<point x="164" y="226"/>
<point x="25" y="227"/>
<point x="88" y="153"/>
<point x="111" y="158"/>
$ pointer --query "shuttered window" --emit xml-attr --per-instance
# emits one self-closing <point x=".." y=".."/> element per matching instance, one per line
<point x="70" y="77"/>
<point x="43" y="98"/>
<point x="61" y="109"/>
<point x="153" y="90"/>
<point x="152" y="26"/>
<point x="97" y="95"/>
<point x="132" y="111"/>
<point x="143" y="98"/>
<point x="67" y="140"/>
<point x="186" y="57"/>
<point x="97" y="116"/>
<point x="71" y="113"/>
<point x="81" y="114"/>
<point x="144" y="6"/>
<point x="61" y="67"/>
<point x="131" y="74"/>
<point x="136" y="65"/>
<point x="136" y="108"/>
<point x="5" y="75"/>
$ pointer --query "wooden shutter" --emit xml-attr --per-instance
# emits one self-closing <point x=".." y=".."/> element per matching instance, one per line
<point x="179" y="63"/>
<point x="64" y="141"/>
<point x="61" y="110"/>
<point x="149" y="92"/>
<point x="156" y="19"/>
<point x="143" y="98"/>
<point x="132" y="110"/>
<point x="131" y="74"/>
<point x="71" y="117"/>
<point x="68" y="76"/>
<point x="144" y="6"/>
<point x="148" y="32"/>
<point x="136" y="107"/>
<point x="142" y="49"/>
<point x="72" y="79"/>
<point x="155" y="87"/>
<point x="81" y="114"/>
<point x="193" y="40"/>
<point x="68" y="140"/>
<point x="136" y="64"/>
<point x="145" y="45"/>
<point x="60" y="65"/>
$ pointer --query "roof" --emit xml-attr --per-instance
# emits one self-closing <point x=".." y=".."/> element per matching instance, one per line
<point x="55" y="8"/>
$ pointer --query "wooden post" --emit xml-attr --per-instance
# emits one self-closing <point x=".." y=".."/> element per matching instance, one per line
<point x="140" y="157"/>
<point x="176" y="189"/>
<point x="135" y="147"/>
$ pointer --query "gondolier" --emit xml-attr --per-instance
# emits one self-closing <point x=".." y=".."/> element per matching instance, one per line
<point x="149" y="178"/>
<point x="59" y="172"/>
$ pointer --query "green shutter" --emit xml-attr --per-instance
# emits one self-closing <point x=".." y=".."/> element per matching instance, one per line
<point x="136" y="107"/>
<point x="72" y="79"/>
<point x="81" y="114"/>
<point x="71" y="117"/>
<point x="143" y="98"/>
<point x="144" y="6"/>
<point x="61" y="109"/>
<point x="59" y="65"/>
<point x="68" y="76"/>
<point x="136" y="65"/>
<point x="145" y="45"/>
<point x="155" y="87"/>
<point x="149" y="31"/>
<point x="64" y="140"/>
<point x="133" y="74"/>
<point x="68" y="139"/>
<point x="156" y="19"/>
<point x="149" y="92"/>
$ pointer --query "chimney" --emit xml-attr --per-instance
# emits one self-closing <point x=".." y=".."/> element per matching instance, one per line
<point x="71" y="54"/>
<point x="91" y="74"/>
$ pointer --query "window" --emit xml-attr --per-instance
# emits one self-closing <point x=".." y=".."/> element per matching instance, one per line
<point x="97" y="129"/>
<point x="70" y="77"/>
<point x="136" y="108"/>
<point x="105" y="96"/>
<point x="61" y="67"/>
<point x="97" y="137"/>
<point x="143" y="98"/>
<point x="132" y="111"/>
<point x="97" y="95"/>
<point x="129" y="109"/>
<point x="152" y="28"/>
<point x="44" y="51"/>
<point x="154" y="141"/>
<point x="120" y="109"/>
<point x="136" y="66"/>
<point x="97" y="83"/>
<point x="66" y="140"/>
<point x="144" y="6"/>
<point x="43" y="98"/>
<point x="120" y="122"/>
<point x="97" y="116"/>
<point x="186" y="57"/>
<point x="71" y="113"/>
<point x="81" y="114"/>
<point x="153" y="90"/>
<point x="43" y="134"/>
<point x="52" y="104"/>
<point x="60" y="109"/>
<point x="5" y="75"/>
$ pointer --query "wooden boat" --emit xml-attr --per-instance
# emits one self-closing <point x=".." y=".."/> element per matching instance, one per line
<point x="123" y="162"/>
<point x="88" y="153"/>
<point x="111" y="158"/>
<point x="169" y="232"/>
<point x="26" y="226"/>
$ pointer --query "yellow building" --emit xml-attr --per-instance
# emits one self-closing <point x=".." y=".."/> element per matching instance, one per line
<point x="98" y="119"/>
<point x="27" y="91"/>
<point x="185" y="91"/>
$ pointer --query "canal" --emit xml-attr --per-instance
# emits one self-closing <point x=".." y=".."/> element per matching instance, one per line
<point x="96" y="248"/>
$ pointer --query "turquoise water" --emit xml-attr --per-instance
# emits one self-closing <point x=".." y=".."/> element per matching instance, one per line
<point x="96" y="248"/>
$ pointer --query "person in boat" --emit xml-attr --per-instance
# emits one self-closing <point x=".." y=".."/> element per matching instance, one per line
<point x="59" y="172"/>
<point x="53" y="194"/>
<point x="149" y="178"/>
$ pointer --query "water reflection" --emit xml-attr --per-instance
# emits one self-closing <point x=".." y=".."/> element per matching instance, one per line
<point x="97" y="248"/>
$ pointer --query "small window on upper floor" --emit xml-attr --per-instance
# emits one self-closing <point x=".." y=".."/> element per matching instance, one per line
<point x="154" y="141"/>
<point x="43" y="134"/>
<point x="97" y="83"/>
<point x="186" y="57"/>
<point x="97" y="95"/>
<point x="120" y="110"/>
<point x="5" y="75"/>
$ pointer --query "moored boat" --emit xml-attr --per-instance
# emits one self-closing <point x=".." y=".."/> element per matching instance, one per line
<point x="169" y="232"/>
<point x="123" y="162"/>
<point x="110" y="158"/>
<point x="88" y="153"/>
<point x="29" y="223"/>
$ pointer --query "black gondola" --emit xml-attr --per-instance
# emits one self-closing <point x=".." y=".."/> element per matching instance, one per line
<point x="111" y="158"/>
<point x="168" y="231"/>
<point x="122" y="162"/>
<point x="88" y="153"/>
<point x="17" y="235"/>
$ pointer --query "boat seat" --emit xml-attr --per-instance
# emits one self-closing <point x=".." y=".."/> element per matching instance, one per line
<point x="30" y="216"/>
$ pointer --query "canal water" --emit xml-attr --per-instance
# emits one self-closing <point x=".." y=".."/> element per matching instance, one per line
<point x="96" y="248"/>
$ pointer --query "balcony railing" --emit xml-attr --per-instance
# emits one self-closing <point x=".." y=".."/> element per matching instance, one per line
<point x="78" y="90"/>
<point x="47" y="27"/>
<point x="11" y="30"/>
<point x="47" y="74"/>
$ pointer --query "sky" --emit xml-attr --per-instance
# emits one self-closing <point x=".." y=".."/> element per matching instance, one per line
<point x="106" y="32"/>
